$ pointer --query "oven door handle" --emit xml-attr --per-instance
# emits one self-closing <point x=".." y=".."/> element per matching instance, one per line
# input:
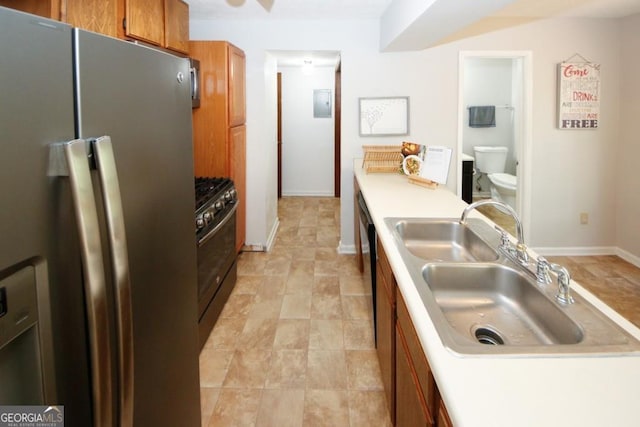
<point x="226" y="219"/>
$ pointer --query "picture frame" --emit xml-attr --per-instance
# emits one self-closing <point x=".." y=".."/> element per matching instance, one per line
<point x="384" y="116"/>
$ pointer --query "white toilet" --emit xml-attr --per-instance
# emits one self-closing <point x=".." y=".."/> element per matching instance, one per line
<point x="492" y="161"/>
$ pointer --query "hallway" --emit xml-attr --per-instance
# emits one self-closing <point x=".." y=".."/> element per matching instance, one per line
<point x="294" y="344"/>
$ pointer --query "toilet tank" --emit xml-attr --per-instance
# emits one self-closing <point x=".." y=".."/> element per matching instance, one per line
<point x="490" y="159"/>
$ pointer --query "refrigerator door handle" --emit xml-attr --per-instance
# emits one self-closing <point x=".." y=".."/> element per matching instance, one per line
<point x="77" y="165"/>
<point x="106" y="166"/>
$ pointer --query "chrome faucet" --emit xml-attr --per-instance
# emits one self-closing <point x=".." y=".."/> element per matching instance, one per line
<point x="520" y="251"/>
<point x="564" y="279"/>
<point x="542" y="271"/>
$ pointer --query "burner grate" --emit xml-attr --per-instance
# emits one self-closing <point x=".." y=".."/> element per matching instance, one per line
<point x="207" y="188"/>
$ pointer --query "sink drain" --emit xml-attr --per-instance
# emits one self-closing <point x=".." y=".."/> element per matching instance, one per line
<point x="486" y="335"/>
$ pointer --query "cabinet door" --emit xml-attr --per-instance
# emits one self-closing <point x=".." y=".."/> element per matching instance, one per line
<point x="45" y="8"/>
<point x="237" y="139"/>
<point x="99" y="16"/>
<point x="443" y="416"/>
<point x="210" y="130"/>
<point x="176" y="25"/>
<point x="416" y="354"/>
<point x="237" y="107"/>
<point x="385" y="325"/>
<point x="409" y="405"/>
<point x="145" y="20"/>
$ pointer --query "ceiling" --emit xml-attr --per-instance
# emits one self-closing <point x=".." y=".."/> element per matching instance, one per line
<point x="287" y="9"/>
<point x="519" y="11"/>
<point x="362" y="9"/>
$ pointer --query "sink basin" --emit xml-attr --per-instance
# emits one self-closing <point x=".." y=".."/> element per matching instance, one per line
<point x="494" y="308"/>
<point x="495" y="304"/>
<point x="481" y="302"/>
<point x="441" y="240"/>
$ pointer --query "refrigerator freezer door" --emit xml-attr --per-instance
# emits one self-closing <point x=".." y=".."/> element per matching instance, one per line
<point x="36" y="220"/>
<point x="141" y="99"/>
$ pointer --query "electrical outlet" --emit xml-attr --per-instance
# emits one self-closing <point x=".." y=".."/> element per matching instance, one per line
<point x="584" y="218"/>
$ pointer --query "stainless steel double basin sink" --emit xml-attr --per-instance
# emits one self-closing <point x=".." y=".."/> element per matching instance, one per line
<point x="481" y="302"/>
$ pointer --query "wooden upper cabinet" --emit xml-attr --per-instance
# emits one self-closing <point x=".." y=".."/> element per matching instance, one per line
<point x="145" y="20"/>
<point x="237" y="86"/>
<point x="163" y="23"/>
<point x="99" y="16"/>
<point x="45" y="8"/>
<point x="176" y="25"/>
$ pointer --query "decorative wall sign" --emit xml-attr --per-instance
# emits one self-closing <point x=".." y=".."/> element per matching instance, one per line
<point x="384" y="116"/>
<point x="578" y="95"/>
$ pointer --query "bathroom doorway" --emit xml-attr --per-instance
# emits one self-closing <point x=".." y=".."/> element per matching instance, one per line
<point x="501" y="81"/>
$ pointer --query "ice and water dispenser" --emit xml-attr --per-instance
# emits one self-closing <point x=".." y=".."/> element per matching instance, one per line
<point x="22" y="365"/>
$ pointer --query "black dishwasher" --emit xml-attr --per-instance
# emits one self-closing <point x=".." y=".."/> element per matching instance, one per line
<point x="369" y="256"/>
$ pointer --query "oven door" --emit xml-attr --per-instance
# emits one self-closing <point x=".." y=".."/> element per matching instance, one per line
<point x="216" y="255"/>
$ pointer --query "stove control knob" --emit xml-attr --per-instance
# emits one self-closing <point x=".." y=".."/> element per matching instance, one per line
<point x="200" y="222"/>
<point x="219" y="205"/>
<point x="208" y="217"/>
<point x="228" y="196"/>
<point x="234" y="193"/>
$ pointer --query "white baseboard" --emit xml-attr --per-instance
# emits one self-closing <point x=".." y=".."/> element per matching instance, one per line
<point x="307" y="194"/>
<point x="590" y="251"/>
<point x="576" y="251"/>
<point x="629" y="257"/>
<point x="257" y="247"/>
<point x="346" y="249"/>
<point x="272" y="236"/>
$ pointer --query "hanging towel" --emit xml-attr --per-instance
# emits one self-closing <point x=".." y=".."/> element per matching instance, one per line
<point x="482" y="116"/>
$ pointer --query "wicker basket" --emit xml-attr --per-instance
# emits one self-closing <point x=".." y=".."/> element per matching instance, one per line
<point x="382" y="158"/>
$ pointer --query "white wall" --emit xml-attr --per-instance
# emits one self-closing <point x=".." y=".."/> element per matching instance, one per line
<point x="262" y="226"/>
<point x="628" y="191"/>
<point x="307" y="141"/>
<point x="573" y="171"/>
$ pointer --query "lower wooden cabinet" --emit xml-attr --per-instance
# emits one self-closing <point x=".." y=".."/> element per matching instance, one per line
<point x="443" y="416"/>
<point x="423" y="384"/>
<point x="412" y="393"/>
<point x="385" y="324"/>
<point x="411" y="408"/>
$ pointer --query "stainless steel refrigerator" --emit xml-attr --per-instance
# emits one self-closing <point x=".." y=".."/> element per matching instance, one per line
<point x="98" y="293"/>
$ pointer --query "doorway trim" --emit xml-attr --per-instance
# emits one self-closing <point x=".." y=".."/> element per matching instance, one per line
<point x="523" y="142"/>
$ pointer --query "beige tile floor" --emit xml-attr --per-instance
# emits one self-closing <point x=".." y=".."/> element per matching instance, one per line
<point x="294" y="344"/>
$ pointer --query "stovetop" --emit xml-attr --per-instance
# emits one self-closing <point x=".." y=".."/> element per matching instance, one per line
<point x="207" y="188"/>
<point x="215" y="198"/>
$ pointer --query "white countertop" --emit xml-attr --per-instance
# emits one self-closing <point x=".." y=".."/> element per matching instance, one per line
<point x="511" y="391"/>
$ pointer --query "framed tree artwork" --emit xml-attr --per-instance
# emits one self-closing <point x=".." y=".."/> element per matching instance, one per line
<point x="384" y="116"/>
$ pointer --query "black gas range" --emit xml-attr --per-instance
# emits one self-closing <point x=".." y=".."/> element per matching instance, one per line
<point x="215" y="197"/>
<point x="215" y="220"/>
